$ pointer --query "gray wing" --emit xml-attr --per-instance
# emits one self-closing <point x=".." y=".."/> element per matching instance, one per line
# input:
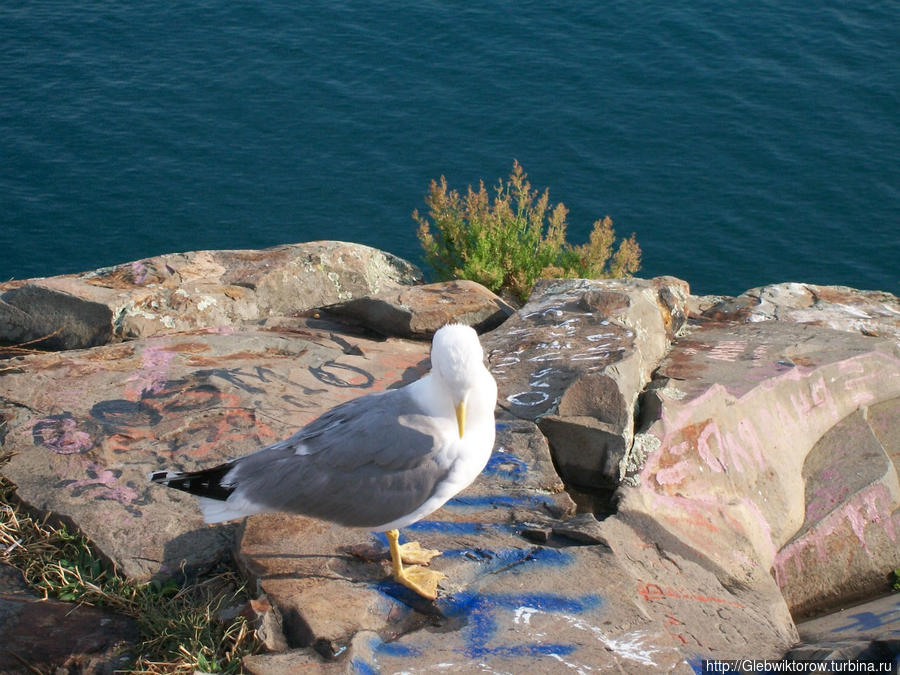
<point x="356" y="465"/>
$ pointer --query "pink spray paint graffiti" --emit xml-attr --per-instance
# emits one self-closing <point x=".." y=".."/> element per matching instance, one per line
<point x="156" y="361"/>
<point x="104" y="483"/>
<point x="60" y="434"/>
<point x="868" y="508"/>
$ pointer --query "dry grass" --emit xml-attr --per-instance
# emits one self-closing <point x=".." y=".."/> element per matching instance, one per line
<point x="181" y="627"/>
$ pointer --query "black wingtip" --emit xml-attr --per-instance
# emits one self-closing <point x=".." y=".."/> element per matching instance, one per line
<point x="162" y="477"/>
<point x="206" y="483"/>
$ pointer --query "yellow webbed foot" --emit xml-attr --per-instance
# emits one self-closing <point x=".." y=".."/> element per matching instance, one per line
<point x="413" y="554"/>
<point x="416" y="578"/>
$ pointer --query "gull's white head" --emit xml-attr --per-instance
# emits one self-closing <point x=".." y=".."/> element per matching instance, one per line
<point x="457" y="359"/>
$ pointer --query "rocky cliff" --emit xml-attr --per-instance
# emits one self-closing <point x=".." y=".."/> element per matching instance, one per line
<point x="675" y="478"/>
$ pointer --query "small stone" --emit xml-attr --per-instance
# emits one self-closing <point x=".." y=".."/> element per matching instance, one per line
<point x="536" y="533"/>
<point x="418" y="311"/>
<point x="266" y="619"/>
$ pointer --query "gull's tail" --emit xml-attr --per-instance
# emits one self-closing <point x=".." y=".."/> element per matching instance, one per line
<point x="211" y="488"/>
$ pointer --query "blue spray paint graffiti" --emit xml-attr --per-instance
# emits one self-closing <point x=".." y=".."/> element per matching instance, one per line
<point x="458" y="528"/>
<point x="362" y="668"/>
<point x="482" y="614"/>
<point x="506" y="557"/>
<point x="481" y="611"/>
<point x="505" y="465"/>
<point x="485" y="620"/>
<point x="499" y="501"/>
<point x="489" y="561"/>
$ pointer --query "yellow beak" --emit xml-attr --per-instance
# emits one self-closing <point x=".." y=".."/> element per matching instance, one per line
<point x="461" y="417"/>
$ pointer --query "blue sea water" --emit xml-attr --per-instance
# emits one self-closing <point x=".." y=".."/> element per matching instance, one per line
<point x="743" y="142"/>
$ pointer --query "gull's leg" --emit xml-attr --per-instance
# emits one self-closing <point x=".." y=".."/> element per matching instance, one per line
<point x="422" y="581"/>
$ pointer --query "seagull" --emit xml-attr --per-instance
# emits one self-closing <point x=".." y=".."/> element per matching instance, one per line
<point x="381" y="461"/>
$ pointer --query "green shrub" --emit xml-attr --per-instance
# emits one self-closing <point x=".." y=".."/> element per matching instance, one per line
<point x="508" y="242"/>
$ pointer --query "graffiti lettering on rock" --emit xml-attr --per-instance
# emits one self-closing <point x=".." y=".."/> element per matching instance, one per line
<point x="118" y="413"/>
<point x="336" y="374"/>
<point x="652" y="592"/>
<point x="105" y="484"/>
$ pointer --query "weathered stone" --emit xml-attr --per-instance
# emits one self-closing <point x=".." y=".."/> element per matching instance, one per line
<point x="539" y="534"/>
<point x="847" y="544"/>
<point x="418" y="311"/>
<point x="86" y="428"/>
<point x="48" y="319"/>
<point x="43" y="635"/>
<point x="267" y="622"/>
<point x="587" y="451"/>
<point x="740" y="408"/>
<point x="209" y="289"/>
<point x="575" y="359"/>
<point x="873" y="313"/>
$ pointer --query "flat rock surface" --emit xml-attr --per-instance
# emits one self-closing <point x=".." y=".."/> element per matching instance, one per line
<point x="87" y="427"/>
<point x="511" y="607"/>
<point x="200" y="289"/>
<point x="877" y="619"/>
